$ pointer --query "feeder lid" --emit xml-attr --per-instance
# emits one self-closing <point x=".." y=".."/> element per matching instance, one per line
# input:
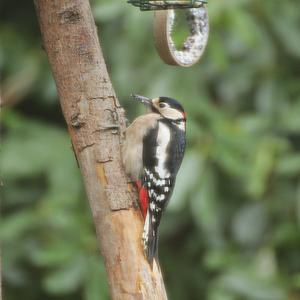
<point x="145" y="5"/>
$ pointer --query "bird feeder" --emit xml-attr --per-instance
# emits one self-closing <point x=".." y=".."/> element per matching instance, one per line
<point x="165" y="13"/>
<point x="145" y="5"/>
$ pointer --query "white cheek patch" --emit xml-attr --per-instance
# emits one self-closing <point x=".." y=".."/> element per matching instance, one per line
<point x="171" y="113"/>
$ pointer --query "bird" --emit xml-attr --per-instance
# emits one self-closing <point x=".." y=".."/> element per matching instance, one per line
<point x="152" y="153"/>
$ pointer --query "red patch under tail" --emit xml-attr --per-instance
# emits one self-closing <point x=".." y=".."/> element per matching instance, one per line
<point x="143" y="198"/>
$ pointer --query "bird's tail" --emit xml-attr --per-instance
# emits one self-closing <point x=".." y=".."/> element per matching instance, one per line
<point x="150" y="239"/>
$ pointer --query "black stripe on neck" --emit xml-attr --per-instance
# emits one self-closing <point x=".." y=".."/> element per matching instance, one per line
<point x="178" y="121"/>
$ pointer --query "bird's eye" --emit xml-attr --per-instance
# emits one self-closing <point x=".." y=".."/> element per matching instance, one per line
<point x="162" y="105"/>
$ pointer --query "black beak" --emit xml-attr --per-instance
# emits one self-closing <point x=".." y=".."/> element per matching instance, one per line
<point x="144" y="100"/>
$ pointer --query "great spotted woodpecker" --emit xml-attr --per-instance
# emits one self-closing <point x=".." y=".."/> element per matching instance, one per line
<point x="152" y="154"/>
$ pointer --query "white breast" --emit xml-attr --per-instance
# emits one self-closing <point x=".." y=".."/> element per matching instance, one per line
<point x="163" y="139"/>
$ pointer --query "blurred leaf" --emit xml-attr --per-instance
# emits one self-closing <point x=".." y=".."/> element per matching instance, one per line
<point x="205" y="209"/>
<point x="289" y="165"/>
<point x="263" y="164"/>
<point x="14" y="227"/>
<point x="192" y="164"/>
<point x="245" y="285"/>
<point x="265" y="263"/>
<point x="67" y="279"/>
<point x="95" y="288"/>
<point x="249" y="224"/>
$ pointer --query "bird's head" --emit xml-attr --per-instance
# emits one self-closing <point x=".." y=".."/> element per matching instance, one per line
<point x="168" y="108"/>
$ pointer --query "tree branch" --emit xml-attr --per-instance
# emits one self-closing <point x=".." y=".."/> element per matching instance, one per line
<point x="96" y="125"/>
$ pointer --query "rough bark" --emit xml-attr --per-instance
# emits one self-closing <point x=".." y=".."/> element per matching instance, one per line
<point x="96" y="124"/>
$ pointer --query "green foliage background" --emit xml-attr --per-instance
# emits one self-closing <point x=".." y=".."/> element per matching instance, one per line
<point x="232" y="227"/>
